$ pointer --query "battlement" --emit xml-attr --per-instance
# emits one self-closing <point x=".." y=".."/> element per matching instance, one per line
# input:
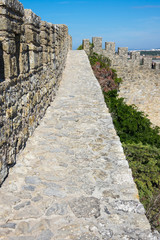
<point x="122" y="58"/>
<point x="32" y="58"/>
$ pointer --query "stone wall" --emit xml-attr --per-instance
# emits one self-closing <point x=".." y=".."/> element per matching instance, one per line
<point x="141" y="87"/>
<point x="32" y="58"/>
<point x="141" y="77"/>
<point x="121" y="58"/>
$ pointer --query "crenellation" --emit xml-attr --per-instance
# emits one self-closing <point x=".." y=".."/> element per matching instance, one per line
<point x="135" y="55"/>
<point x="86" y="45"/>
<point x="140" y="75"/>
<point x="157" y="66"/>
<point x="110" y="49"/>
<point x="97" y="44"/>
<point x="147" y="62"/>
<point x="119" y="59"/>
<point x="32" y="59"/>
<point x="123" y="52"/>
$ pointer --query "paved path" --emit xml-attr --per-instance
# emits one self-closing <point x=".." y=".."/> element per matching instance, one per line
<point x="72" y="180"/>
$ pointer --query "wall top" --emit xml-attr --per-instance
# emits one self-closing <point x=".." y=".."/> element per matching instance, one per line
<point x="15" y="5"/>
<point x="32" y="18"/>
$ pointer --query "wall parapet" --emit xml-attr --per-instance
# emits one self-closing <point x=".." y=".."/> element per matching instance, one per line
<point x="32" y="59"/>
<point x="122" y="58"/>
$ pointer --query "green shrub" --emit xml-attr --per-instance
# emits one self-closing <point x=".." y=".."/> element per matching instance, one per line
<point x="80" y="47"/>
<point x="141" y="143"/>
<point x="145" y="164"/>
<point x="131" y="125"/>
<point x="118" y="80"/>
<point x="104" y="61"/>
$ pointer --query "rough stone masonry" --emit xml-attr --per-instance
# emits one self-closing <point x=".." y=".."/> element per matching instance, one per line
<point x="32" y="58"/>
<point x="141" y="83"/>
<point x="72" y="181"/>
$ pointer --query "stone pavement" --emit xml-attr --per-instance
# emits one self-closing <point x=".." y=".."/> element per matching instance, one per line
<point x="72" y="180"/>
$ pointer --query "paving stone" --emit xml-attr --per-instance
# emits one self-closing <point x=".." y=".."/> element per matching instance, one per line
<point x="23" y="227"/>
<point x="32" y="180"/>
<point x="8" y="225"/>
<point x="58" y="209"/>
<point x="85" y="207"/>
<point x="129" y="206"/>
<point x="22" y="205"/>
<point x="37" y="198"/>
<point x="29" y="188"/>
<point x="45" y="235"/>
<point x="22" y="238"/>
<point x="54" y="192"/>
<point x="87" y="237"/>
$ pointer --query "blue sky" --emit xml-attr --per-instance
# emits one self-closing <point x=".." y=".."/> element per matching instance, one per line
<point x="132" y="24"/>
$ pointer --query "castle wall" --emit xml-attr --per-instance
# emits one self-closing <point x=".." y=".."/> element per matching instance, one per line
<point x="32" y="58"/>
<point x="97" y="44"/>
<point x="141" y="78"/>
<point x="141" y="87"/>
<point x="121" y="58"/>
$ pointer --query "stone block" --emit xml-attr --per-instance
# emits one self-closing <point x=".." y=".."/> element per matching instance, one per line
<point x="9" y="47"/>
<point x="7" y="65"/>
<point x="97" y="44"/>
<point x="147" y="62"/>
<point x="86" y="45"/>
<point x="123" y="52"/>
<point x="14" y="5"/>
<point x="157" y="66"/>
<point x="14" y="66"/>
<point x="5" y="24"/>
<point x="110" y="47"/>
<point x="32" y="18"/>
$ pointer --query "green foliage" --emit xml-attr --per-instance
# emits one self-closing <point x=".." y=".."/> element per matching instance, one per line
<point x="104" y="61"/>
<point x="151" y="53"/>
<point x="132" y="125"/>
<point x="80" y="47"/>
<point x="141" y="143"/>
<point x="91" y="45"/>
<point x="114" y="73"/>
<point x="118" y="80"/>
<point x="145" y="164"/>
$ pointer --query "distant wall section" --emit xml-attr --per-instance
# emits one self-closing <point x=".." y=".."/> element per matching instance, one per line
<point x="120" y="58"/>
<point x="141" y="77"/>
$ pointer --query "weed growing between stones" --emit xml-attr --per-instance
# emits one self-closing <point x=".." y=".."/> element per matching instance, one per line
<point x="140" y="140"/>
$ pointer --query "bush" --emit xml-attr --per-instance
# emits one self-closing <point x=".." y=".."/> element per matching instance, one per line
<point x="104" y="61"/>
<point x="80" y="47"/>
<point x="131" y="125"/>
<point x="141" y="143"/>
<point x="145" y="164"/>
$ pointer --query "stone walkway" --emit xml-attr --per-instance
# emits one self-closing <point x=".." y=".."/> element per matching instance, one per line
<point x="72" y="180"/>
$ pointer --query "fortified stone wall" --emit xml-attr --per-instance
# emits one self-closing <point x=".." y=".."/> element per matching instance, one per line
<point x="141" y="80"/>
<point x="141" y="88"/>
<point x="32" y="58"/>
<point x="121" y="58"/>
